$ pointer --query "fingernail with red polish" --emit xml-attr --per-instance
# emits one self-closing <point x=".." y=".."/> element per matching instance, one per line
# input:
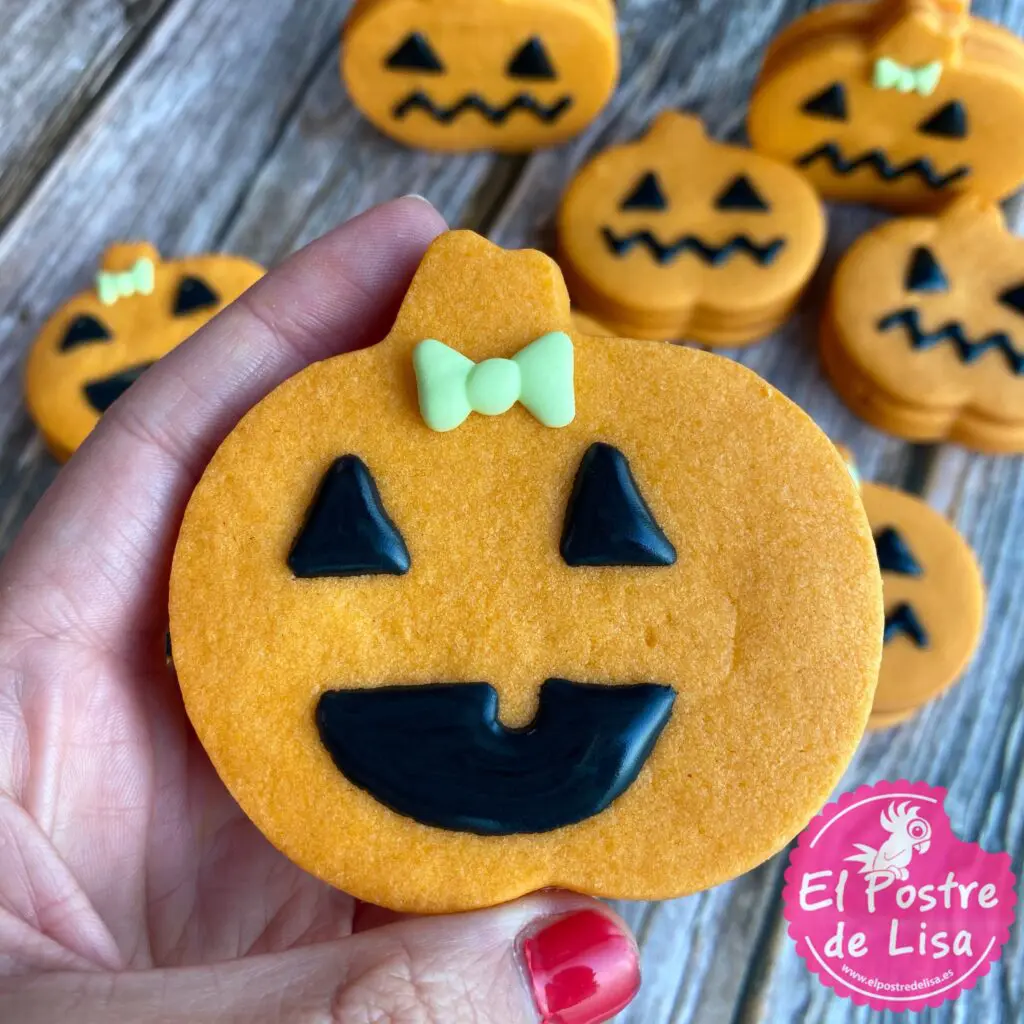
<point x="582" y="969"/>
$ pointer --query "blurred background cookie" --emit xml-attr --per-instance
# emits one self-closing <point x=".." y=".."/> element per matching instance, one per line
<point x="679" y="236"/>
<point x="459" y="74"/>
<point x="102" y="340"/>
<point x="900" y="103"/>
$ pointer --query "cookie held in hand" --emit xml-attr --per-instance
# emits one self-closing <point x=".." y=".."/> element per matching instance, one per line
<point x="101" y="341"/>
<point x="677" y="235"/>
<point x="934" y="600"/>
<point x="496" y="605"/>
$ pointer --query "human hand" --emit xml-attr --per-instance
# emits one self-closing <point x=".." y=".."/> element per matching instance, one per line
<point x="132" y="887"/>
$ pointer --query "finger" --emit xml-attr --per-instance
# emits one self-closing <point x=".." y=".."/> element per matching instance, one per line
<point x="104" y="532"/>
<point x="553" y="958"/>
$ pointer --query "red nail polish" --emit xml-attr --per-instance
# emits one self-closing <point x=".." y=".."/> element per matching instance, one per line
<point x="582" y="969"/>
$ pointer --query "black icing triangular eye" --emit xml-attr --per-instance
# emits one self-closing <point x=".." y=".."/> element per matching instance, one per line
<point x="830" y="103"/>
<point x="924" y="273"/>
<point x="646" y="195"/>
<point x="194" y="295"/>
<point x="740" y="194"/>
<point x="83" y="330"/>
<point x="894" y="554"/>
<point x="1014" y="298"/>
<point x="532" y="61"/>
<point x="948" y="122"/>
<point x="903" y="621"/>
<point x="347" y="530"/>
<point x="415" y="54"/>
<point x="608" y="522"/>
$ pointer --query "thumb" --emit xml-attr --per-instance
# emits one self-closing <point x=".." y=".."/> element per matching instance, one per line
<point x="553" y="958"/>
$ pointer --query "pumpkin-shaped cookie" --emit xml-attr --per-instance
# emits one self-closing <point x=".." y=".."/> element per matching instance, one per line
<point x="495" y="605"/>
<point x="900" y="103"/>
<point x="511" y="75"/>
<point x="923" y="334"/>
<point x="934" y="602"/>
<point x="680" y="236"/>
<point x="98" y="343"/>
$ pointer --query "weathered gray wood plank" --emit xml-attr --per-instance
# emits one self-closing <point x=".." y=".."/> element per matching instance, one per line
<point x="56" y="56"/>
<point x="165" y="155"/>
<point x="330" y="164"/>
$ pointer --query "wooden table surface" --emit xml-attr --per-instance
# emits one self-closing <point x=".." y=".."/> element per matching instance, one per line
<point x="221" y="124"/>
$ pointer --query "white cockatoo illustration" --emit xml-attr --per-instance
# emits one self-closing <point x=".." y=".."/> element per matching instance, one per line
<point x="910" y="833"/>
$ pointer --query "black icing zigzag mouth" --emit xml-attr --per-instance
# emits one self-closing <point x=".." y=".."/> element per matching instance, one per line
<point x="495" y="115"/>
<point x="102" y="394"/>
<point x="883" y="167"/>
<point x="438" y="753"/>
<point x="713" y="255"/>
<point x="952" y="332"/>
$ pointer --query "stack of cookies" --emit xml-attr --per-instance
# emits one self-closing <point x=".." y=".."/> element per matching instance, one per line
<point x="923" y="334"/>
<point x="677" y="235"/>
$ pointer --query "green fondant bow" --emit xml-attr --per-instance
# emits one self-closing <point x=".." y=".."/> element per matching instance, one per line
<point x="540" y="377"/>
<point x="140" y="280"/>
<point x="890" y="74"/>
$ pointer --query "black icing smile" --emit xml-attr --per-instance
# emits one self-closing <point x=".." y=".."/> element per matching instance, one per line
<point x="495" y="115"/>
<point x="883" y="167"/>
<point x="909" y="319"/>
<point x="439" y="754"/>
<point x="713" y="255"/>
<point x="102" y="394"/>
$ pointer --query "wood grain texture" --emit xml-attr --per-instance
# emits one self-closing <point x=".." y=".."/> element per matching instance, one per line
<point x="164" y="155"/>
<point x="56" y="57"/>
<point x="223" y="125"/>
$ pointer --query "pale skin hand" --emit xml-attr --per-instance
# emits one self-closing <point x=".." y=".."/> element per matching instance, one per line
<point x="131" y="885"/>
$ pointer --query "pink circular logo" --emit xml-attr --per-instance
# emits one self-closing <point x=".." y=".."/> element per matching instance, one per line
<point x="888" y="907"/>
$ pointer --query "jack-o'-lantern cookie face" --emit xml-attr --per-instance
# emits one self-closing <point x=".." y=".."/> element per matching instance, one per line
<point x="97" y="344"/>
<point x="511" y="75"/>
<point x="677" y="235"/>
<point x="900" y="103"/>
<point x="923" y="335"/>
<point x="495" y="605"/>
<point x="934" y="601"/>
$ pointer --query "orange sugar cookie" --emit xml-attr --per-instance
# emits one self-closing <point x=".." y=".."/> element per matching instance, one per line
<point x="923" y="333"/>
<point x="512" y="75"/>
<point x="934" y="601"/>
<point x="678" y="235"/>
<point x="496" y="605"/>
<point x="98" y="343"/>
<point x="899" y="103"/>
